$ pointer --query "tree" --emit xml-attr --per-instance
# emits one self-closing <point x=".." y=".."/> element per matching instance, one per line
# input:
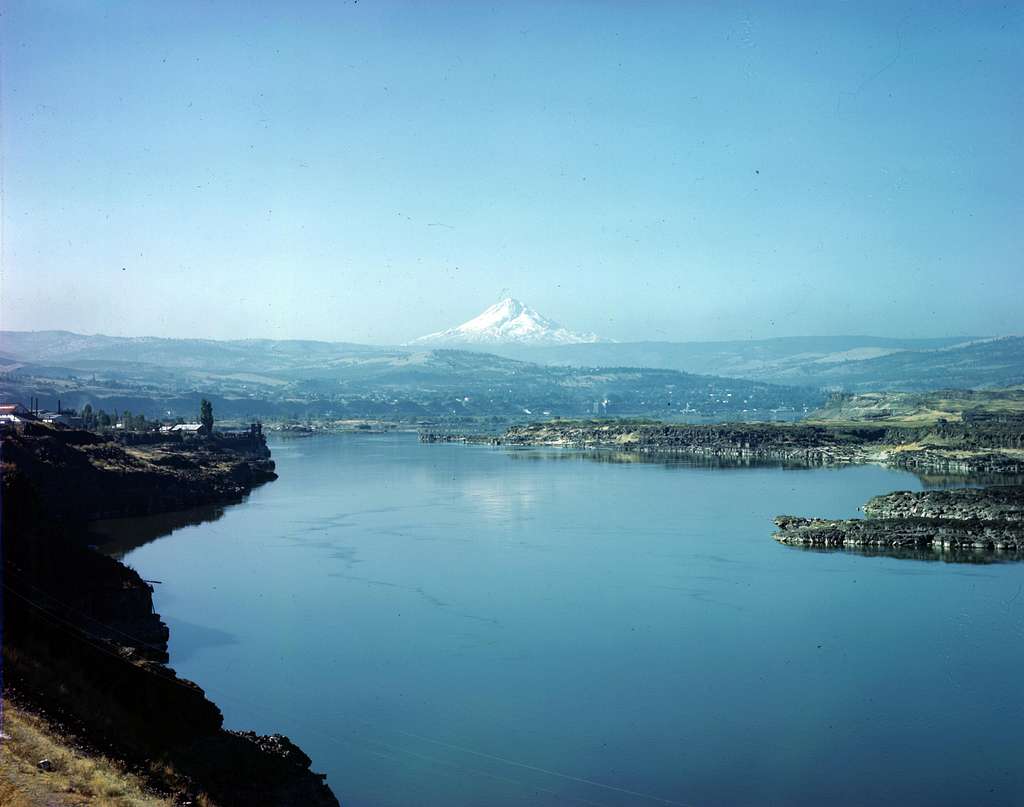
<point x="104" y="419"/>
<point x="206" y="416"/>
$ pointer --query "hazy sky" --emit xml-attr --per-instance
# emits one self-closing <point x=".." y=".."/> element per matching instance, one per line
<point x="373" y="171"/>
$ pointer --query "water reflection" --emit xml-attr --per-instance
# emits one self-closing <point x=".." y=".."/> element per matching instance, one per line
<point x="681" y="460"/>
<point x="670" y="460"/>
<point x="978" y="556"/>
<point x="119" y="536"/>
<point x="189" y="638"/>
<point x="937" y="480"/>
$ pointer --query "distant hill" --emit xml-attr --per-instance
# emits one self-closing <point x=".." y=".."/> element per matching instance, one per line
<point x="744" y="380"/>
<point x="267" y="378"/>
<point x="841" y="362"/>
<point x="982" y="364"/>
<point x="65" y="347"/>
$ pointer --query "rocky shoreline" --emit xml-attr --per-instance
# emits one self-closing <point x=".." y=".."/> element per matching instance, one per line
<point x="964" y="449"/>
<point x="980" y="520"/>
<point x="81" y="637"/>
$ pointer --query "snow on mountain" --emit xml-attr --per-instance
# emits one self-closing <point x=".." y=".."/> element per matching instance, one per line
<point x="507" y="322"/>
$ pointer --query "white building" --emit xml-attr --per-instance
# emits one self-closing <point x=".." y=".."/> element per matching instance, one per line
<point x="183" y="428"/>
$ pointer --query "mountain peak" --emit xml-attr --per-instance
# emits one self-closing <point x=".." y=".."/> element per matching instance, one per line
<point x="508" y="321"/>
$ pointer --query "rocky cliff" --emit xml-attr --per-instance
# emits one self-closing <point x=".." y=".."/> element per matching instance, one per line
<point x="81" y="638"/>
<point x="997" y="504"/>
<point x="944" y="448"/>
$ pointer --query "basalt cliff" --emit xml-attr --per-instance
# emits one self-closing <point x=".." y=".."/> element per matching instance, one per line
<point x="963" y="447"/>
<point x="81" y="640"/>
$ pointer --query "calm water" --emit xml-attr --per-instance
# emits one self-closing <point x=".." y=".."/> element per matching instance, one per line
<point x="453" y="625"/>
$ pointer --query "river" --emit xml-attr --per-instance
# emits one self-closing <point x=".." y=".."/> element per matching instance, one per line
<point x="467" y="625"/>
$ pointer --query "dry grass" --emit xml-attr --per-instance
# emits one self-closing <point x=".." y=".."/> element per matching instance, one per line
<point x="910" y="409"/>
<point x="76" y="778"/>
<point x="954" y="453"/>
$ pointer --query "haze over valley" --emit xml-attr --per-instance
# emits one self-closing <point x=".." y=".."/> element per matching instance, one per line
<point x="718" y="502"/>
<point x="509" y="362"/>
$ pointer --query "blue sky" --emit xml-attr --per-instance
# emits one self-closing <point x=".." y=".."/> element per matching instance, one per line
<point x="372" y="171"/>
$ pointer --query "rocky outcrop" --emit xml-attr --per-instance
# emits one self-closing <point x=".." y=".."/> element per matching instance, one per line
<point x="987" y="505"/>
<point x="811" y="445"/>
<point x="981" y="520"/>
<point x="899" y="533"/>
<point x="80" y="634"/>
<point x="257" y="770"/>
<point x="964" y="448"/>
<point x="83" y="476"/>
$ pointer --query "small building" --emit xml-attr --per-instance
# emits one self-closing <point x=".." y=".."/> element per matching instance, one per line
<point x="184" y="429"/>
<point x="15" y="413"/>
<point x="60" y="418"/>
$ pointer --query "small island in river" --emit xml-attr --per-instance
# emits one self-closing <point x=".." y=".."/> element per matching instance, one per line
<point x="967" y="519"/>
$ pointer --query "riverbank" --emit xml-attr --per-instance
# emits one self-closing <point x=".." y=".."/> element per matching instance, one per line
<point x="80" y="634"/>
<point x="965" y="448"/>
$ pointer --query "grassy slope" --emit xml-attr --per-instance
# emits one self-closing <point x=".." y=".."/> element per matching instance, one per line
<point x="78" y="777"/>
<point x="917" y="408"/>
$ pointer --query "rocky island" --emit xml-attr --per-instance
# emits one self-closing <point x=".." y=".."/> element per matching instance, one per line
<point x="968" y="519"/>
<point x="82" y="643"/>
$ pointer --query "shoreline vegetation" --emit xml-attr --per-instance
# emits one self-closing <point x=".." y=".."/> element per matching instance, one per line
<point x="81" y="638"/>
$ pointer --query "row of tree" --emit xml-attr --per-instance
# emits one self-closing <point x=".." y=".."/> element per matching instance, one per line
<point x="99" y="419"/>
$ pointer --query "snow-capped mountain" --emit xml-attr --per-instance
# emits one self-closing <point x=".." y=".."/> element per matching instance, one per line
<point x="504" y="323"/>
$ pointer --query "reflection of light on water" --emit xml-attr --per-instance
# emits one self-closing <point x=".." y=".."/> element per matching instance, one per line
<point x="501" y="498"/>
<point x="495" y="495"/>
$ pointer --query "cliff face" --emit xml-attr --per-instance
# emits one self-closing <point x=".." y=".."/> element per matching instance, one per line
<point x="981" y="447"/>
<point x="80" y="634"/>
<point x="82" y="476"/>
